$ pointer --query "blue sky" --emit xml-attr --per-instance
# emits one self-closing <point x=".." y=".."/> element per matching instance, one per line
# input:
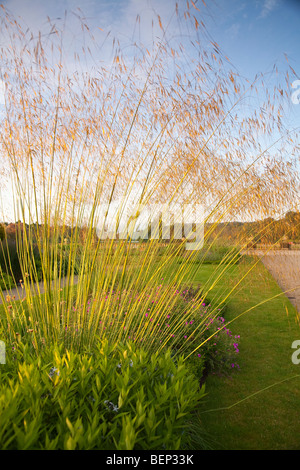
<point x="254" y="34"/>
<point x="258" y="34"/>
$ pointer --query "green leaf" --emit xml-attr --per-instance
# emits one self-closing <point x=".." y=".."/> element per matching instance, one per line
<point x="70" y="444"/>
<point x="69" y="424"/>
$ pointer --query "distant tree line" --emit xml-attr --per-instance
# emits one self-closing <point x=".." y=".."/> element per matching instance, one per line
<point x="266" y="231"/>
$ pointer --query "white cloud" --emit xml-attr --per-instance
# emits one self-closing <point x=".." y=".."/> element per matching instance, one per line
<point x="234" y="30"/>
<point x="268" y="7"/>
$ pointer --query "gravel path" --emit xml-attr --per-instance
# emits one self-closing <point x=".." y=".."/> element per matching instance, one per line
<point x="17" y="293"/>
<point x="284" y="265"/>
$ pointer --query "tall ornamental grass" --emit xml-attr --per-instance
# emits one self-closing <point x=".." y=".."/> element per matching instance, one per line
<point x="170" y="122"/>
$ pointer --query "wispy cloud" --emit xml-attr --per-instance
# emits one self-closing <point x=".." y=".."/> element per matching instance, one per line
<point x="268" y="7"/>
<point x="234" y="30"/>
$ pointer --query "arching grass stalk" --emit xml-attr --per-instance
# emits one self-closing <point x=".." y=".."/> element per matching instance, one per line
<point x="76" y="142"/>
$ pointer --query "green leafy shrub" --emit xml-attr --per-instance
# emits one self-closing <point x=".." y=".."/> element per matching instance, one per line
<point x="10" y="264"/>
<point x="9" y="260"/>
<point x="208" y="345"/>
<point x="215" y="254"/>
<point x="218" y="253"/>
<point x="6" y="281"/>
<point x="221" y="347"/>
<point x="185" y="325"/>
<point x="118" y="397"/>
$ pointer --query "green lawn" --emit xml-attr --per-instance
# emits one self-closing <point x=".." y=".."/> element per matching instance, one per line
<point x="271" y="418"/>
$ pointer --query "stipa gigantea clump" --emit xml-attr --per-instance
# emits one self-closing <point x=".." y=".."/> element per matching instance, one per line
<point x="149" y="129"/>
